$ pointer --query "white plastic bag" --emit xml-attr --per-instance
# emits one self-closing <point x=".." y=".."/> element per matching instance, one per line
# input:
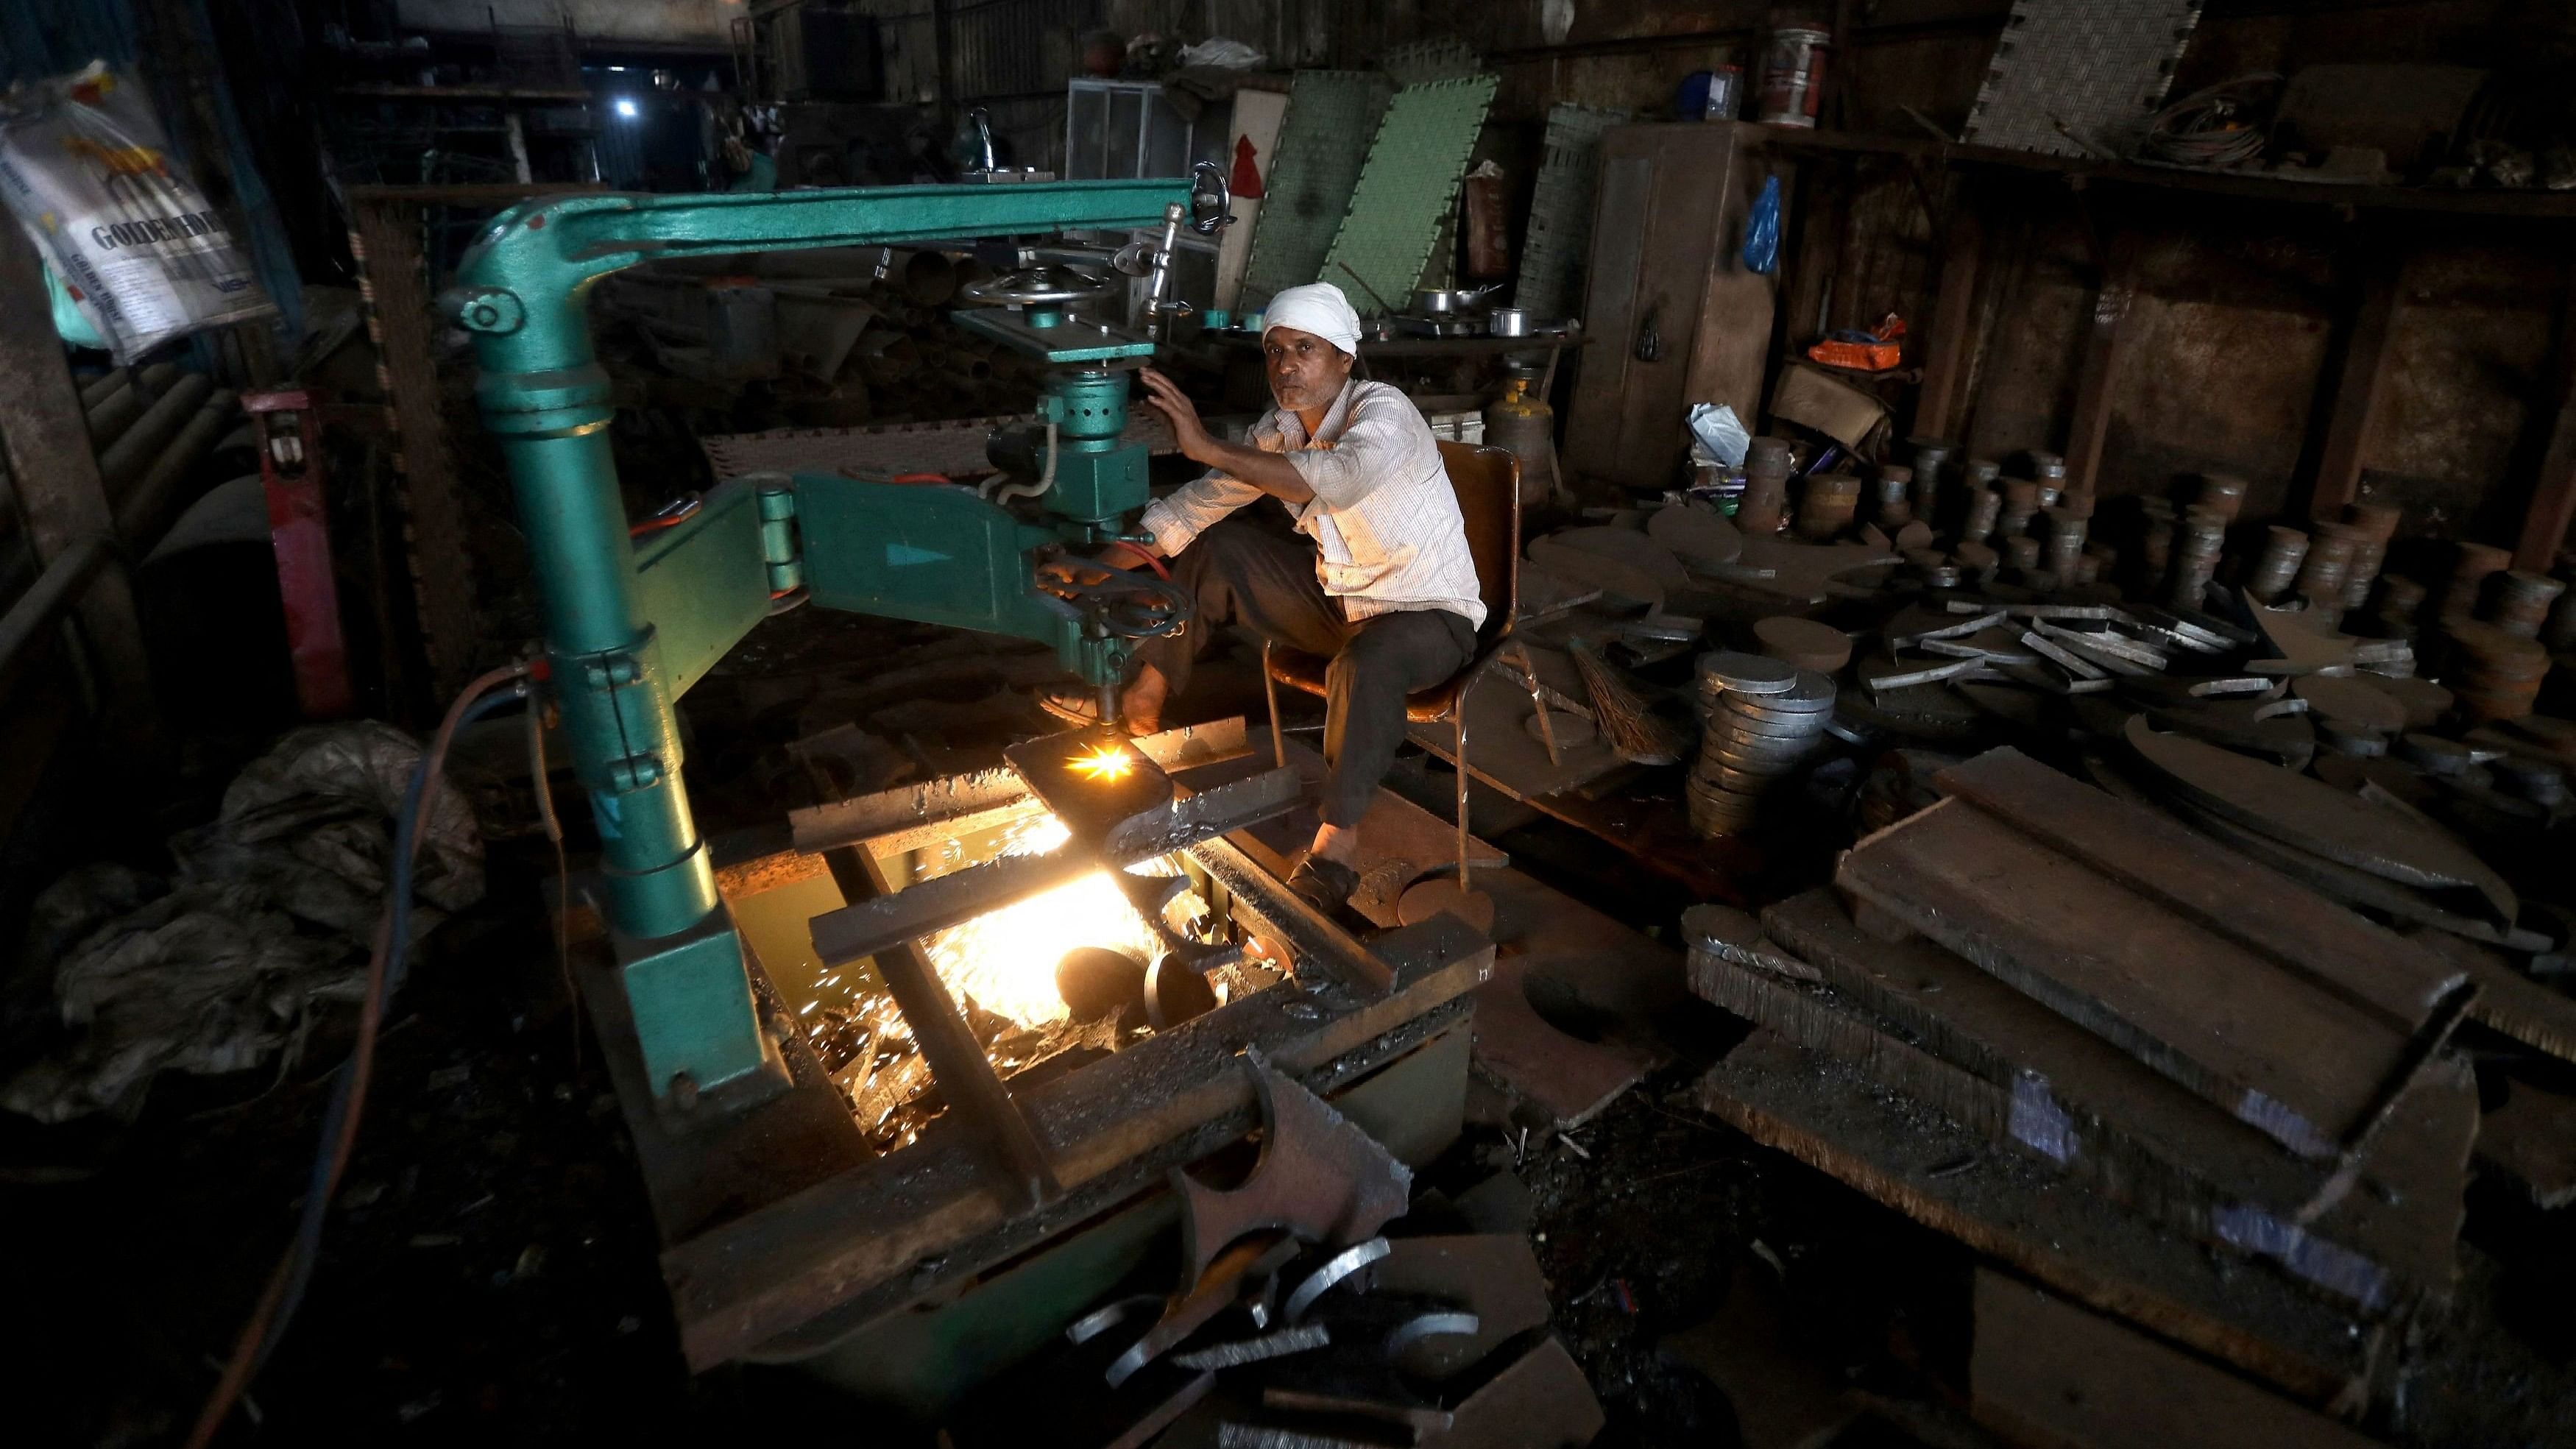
<point x="1719" y="433"/>
<point x="85" y="168"/>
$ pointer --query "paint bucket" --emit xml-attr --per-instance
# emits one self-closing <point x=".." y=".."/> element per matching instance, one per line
<point x="1793" y="75"/>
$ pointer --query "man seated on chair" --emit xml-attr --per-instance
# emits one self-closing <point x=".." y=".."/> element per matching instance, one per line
<point x="1384" y="586"/>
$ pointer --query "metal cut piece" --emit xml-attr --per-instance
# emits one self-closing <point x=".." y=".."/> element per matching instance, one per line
<point x="1441" y="1324"/>
<point x="1253" y="1350"/>
<point x="1215" y="1290"/>
<point x="1336" y="1268"/>
<point x="2064" y="659"/>
<point x="2306" y="813"/>
<point x="1319" y="1179"/>
<point x="1100" y="1320"/>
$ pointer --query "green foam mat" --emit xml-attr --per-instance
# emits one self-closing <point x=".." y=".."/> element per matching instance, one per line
<point x="1559" y="242"/>
<point x="1313" y="168"/>
<point x="1409" y="185"/>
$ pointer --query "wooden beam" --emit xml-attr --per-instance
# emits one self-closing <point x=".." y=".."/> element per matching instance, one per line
<point x="384" y="236"/>
<point x="2553" y="487"/>
<point x="55" y="476"/>
<point x="2106" y="352"/>
<point x="2360" y="383"/>
<point x="1951" y="338"/>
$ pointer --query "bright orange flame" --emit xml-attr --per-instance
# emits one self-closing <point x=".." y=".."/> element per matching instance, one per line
<point x="1105" y="762"/>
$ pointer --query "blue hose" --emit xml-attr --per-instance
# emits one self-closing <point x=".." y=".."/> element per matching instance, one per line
<point x="317" y="1193"/>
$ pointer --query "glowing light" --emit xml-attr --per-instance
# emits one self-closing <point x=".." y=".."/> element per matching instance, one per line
<point x="1106" y="762"/>
<point x="1005" y="959"/>
<point x="625" y="109"/>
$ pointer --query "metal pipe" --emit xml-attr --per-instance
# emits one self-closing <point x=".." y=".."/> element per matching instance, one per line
<point x="127" y="459"/>
<point x="145" y="510"/>
<point x="58" y="586"/>
<point x="117" y="407"/>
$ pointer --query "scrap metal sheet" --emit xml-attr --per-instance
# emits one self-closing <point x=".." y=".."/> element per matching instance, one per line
<point x="1560" y="223"/>
<point x="1410" y="183"/>
<point x="2080" y="77"/>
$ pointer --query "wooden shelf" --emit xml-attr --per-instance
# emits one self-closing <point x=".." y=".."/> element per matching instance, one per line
<point x="2529" y="205"/>
<point x="473" y="95"/>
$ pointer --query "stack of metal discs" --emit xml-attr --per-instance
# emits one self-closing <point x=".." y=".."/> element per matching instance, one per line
<point x="1759" y="718"/>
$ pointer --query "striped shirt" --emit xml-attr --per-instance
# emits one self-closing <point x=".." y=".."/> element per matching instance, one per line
<point x="1388" y="535"/>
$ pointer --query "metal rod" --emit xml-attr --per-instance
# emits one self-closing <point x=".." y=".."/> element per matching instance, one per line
<point x="131" y="455"/>
<point x="56" y="587"/>
<point x="957" y="1060"/>
<point x="1462" y="783"/>
<point x="141" y="515"/>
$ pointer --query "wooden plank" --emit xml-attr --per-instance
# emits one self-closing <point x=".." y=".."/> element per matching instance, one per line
<point x="1179" y="1092"/>
<point x="55" y="478"/>
<point x="1950" y="339"/>
<point x="2308" y="1069"/>
<point x="2553" y="488"/>
<point x="2319" y="941"/>
<point x="1730" y="349"/>
<point x="2383" y="1262"/>
<point x="2046" y="1373"/>
<point x="385" y="240"/>
<point x="2010" y="1208"/>
<point x="2361" y="382"/>
<point x="2106" y="353"/>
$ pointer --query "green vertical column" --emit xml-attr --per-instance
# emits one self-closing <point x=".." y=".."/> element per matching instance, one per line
<point x="547" y="401"/>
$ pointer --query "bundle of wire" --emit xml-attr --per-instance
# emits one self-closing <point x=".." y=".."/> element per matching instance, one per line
<point x="286" y="1284"/>
<point x="2213" y="129"/>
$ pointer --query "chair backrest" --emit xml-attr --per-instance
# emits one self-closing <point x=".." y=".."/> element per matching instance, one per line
<point x="1488" y="484"/>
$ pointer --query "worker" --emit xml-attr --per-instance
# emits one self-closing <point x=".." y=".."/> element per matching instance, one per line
<point x="1383" y="585"/>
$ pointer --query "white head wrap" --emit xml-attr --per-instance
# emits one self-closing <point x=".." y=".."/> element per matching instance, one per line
<point x="1317" y="307"/>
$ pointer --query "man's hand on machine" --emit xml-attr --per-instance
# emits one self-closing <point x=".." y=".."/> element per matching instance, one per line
<point x="1165" y="397"/>
<point x="1267" y="471"/>
<point x="1072" y="574"/>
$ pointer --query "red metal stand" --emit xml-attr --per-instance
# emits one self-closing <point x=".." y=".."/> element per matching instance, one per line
<point x="290" y="471"/>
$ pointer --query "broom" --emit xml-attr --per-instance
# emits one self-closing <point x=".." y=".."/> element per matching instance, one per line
<point x="1634" y="731"/>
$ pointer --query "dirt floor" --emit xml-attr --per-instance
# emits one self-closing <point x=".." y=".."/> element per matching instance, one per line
<point x="489" y="1273"/>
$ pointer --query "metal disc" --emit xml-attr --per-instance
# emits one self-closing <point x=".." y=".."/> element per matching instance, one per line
<point x="1745" y="782"/>
<point x="1741" y="673"/>
<point x="1802" y="717"/>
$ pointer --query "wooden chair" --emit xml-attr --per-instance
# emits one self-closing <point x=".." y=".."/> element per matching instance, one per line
<point x="1488" y="484"/>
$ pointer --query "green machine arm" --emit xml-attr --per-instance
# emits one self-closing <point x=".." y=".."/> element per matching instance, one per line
<point x="629" y="625"/>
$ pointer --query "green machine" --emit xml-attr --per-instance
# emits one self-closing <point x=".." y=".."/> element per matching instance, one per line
<point x="631" y="624"/>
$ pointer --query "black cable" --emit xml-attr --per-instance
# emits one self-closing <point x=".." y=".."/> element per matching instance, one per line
<point x="287" y="1281"/>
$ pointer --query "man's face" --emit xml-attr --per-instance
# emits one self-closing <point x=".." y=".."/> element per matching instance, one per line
<point x="1305" y="370"/>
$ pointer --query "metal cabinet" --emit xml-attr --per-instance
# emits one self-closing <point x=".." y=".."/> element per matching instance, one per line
<point x="1674" y="316"/>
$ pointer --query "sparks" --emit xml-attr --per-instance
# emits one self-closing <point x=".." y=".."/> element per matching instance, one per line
<point x="1005" y="959"/>
<point x="1105" y="762"/>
